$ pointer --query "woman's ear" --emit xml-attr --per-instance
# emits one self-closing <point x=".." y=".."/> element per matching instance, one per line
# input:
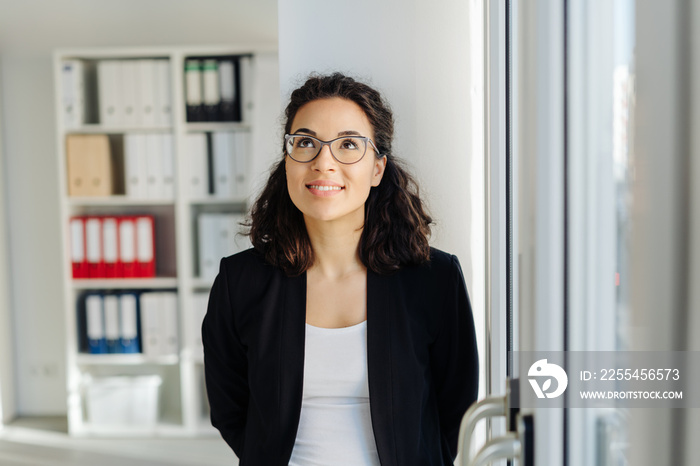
<point x="379" y="167"/>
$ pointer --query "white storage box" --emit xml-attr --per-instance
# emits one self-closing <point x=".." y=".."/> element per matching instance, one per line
<point x="123" y="400"/>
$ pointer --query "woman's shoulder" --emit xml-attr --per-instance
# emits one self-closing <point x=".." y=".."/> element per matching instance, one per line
<point x="248" y="262"/>
<point x="440" y="266"/>
<point x="249" y="256"/>
<point x="442" y="262"/>
<point x="440" y="258"/>
<point x="247" y="275"/>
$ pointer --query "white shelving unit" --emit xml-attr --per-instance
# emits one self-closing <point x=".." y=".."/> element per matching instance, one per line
<point x="183" y="409"/>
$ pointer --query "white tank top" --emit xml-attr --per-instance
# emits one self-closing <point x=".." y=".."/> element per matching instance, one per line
<point x="335" y="427"/>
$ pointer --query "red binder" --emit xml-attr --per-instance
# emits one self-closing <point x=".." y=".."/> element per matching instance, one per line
<point x="127" y="246"/>
<point x="77" y="247"/>
<point x="145" y="246"/>
<point x="110" y="247"/>
<point x="93" y="247"/>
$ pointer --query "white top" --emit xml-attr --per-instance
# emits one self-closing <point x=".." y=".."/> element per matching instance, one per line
<point x="335" y="427"/>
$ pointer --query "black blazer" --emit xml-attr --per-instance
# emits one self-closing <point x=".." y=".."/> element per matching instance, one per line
<point x="421" y="351"/>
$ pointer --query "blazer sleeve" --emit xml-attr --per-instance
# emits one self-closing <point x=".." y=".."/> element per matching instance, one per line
<point x="454" y="359"/>
<point x="225" y="365"/>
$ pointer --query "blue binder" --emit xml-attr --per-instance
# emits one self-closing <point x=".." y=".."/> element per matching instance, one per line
<point x="94" y="316"/>
<point x="110" y="303"/>
<point x="129" y="328"/>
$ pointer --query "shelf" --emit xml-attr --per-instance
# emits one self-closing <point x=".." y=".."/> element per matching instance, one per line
<point x="125" y="360"/>
<point x="218" y="201"/>
<point x="117" y="201"/>
<point x="161" y="429"/>
<point x="216" y="126"/>
<point x="176" y="246"/>
<point x="102" y="129"/>
<point x="205" y="428"/>
<point x="120" y="283"/>
<point x="202" y="283"/>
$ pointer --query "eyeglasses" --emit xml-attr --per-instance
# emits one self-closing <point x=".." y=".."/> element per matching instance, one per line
<point x="346" y="149"/>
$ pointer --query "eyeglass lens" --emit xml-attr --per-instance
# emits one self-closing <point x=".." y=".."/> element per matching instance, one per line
<point x="345" y="150"/>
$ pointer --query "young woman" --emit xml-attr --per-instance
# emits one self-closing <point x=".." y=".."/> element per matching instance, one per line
<point x="342" y="337"/>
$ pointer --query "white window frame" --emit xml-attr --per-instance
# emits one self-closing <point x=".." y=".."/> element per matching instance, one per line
<point x="541" y="216"/>
<point x="665" y="258"/>
<point x="7" y="380"/>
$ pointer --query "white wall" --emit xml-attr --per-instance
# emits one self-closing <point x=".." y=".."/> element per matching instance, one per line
<point x="417" y="54"/>
<point x="29" y="32"/>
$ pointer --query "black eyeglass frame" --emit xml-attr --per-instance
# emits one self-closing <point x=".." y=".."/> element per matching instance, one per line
<point x="287" y="137"/>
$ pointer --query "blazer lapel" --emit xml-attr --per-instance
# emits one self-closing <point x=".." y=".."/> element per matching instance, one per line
<point x="292" y="341"/>
<point x="380" y="309"/>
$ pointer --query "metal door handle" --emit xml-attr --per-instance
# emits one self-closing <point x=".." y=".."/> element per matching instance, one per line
<point x="488" y="407"/>
<point x="513" y="445"/>
<point x="507" y="446"/>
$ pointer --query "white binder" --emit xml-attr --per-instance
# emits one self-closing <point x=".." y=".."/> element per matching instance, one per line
<point x="155" y="188"/>
<point x="241" y="144"/>
<point x="135" y="165"/>
<point x="150" y="305"/>
<point x="222" y="164"/>
<point x="163" y="115"/>
<point x="147" y="91"/>
<point x="169" y="324"/>
<point x="130" y="89"/>
<point x="198" y="174"/>
<point x="73" y="81"/>
<point x="246" y="85"/>
<point x="168" y="172"/>
<point x="109" y="87"/>
<point x="209" y="245"/>
<point x="159" y="324"/>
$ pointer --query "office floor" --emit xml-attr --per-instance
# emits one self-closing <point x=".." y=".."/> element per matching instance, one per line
<point x="44" y="442"/>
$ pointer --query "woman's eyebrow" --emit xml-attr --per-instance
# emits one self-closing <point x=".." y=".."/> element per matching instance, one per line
<point x="305" y="130"/>
<point x="340" y="134"/>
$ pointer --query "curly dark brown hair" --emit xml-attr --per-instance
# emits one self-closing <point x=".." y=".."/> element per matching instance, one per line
<point x="397" y="225"/>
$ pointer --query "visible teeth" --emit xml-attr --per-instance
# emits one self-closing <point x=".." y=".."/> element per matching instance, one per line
<point x="326" y="188"/>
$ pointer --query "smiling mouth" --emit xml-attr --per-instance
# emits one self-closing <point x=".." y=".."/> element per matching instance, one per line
<point x="325" y="188"/>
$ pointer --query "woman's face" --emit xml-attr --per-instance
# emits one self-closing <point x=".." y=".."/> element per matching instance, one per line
<point x="325" y="189"/>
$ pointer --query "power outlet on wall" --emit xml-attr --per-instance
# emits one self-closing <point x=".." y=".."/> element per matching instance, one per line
<point x="46" y="370"/>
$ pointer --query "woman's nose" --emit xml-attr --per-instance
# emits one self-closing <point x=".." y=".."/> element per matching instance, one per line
<point x="324" y="161"/>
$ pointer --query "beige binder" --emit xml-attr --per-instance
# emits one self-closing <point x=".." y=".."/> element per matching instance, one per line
<point x="89" y="165"/>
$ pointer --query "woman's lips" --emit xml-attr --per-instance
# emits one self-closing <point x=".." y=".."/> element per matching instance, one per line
<point x="324" y="188"/>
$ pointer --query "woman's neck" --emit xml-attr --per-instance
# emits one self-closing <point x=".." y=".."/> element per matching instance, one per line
<point x="335" y="246"/>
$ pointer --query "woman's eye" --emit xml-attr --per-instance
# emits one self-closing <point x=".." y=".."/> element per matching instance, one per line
<point x="305" y="143"/>
<point x="349" y="144"/>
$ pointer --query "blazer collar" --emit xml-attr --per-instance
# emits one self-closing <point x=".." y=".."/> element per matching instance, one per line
<point x="381" y="293"/>
<point x="292" y="335"/>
